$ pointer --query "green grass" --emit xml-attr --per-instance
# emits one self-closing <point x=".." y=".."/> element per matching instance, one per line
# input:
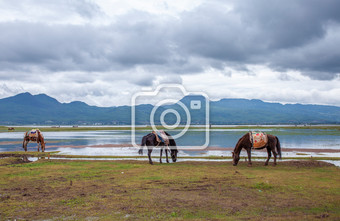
<point x="301" y="154"/>
<point x="73" y="202"/>
<point x="263" y="186"/>
<point x="124" y="190"/>
<point x="152" y="178"/>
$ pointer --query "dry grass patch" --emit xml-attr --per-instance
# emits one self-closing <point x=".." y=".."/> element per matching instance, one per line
<point x="65" y="189"/>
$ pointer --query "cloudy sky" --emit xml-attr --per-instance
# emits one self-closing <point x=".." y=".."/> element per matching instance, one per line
<point x="104" y="51"/>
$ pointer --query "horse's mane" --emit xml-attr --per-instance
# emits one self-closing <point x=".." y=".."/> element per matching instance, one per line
<point x="172" y="142"/>
<point x="237" y="146"/>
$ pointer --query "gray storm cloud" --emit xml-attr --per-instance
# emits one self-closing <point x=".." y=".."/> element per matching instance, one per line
<point x="72" y="48"/>
<point x="286" y="35"/>
<point x="77" y="50"/>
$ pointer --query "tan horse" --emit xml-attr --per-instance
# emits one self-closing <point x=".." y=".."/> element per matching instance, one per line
<point x="36" y="136"/>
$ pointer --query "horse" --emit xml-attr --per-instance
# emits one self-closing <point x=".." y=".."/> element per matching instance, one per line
<point x="273" y="145"/>
<point x="34" y="135"/>
<point x="150" y="141"/>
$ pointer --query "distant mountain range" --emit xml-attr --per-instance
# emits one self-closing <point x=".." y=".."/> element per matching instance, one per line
<point x="41" y="109"/>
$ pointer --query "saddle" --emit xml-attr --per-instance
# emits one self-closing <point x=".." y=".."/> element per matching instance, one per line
<point x="33" y="134"/>
<point x="258" y="139"/>
<point x="161" y="137"/>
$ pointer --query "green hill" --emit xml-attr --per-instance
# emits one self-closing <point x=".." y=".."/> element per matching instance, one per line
<point x="41" y="109"/>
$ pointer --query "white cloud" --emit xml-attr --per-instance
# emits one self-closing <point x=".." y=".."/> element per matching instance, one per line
<point x="265" y="84"/>
<point x="51" y="12"/>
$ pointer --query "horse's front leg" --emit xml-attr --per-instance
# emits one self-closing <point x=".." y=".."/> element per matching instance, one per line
<point x="160" y="157"/>
<point x="166" y="153"/>
<point x="269" y="156"/>
<point x="249" y="157"/>
<point x="24" y="145"/>
<point x="38" y="146"/>
<point x="149" y="155"/>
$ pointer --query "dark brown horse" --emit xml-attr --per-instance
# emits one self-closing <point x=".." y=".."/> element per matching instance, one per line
<point x="36" y="136"/>
<point x="150" y="141"/>
<point x="273" y="145"/>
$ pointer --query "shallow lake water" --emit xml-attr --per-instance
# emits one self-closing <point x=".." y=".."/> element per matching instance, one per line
<point x="84" y="142"/>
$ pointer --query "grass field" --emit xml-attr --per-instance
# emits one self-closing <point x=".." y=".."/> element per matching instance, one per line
<point x="133" y="190"/>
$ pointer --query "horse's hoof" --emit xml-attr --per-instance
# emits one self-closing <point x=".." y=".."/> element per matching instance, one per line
<point x="266" y="164"/>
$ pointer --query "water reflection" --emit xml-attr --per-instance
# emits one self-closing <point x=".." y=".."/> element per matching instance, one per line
<point x="289" y="138"/>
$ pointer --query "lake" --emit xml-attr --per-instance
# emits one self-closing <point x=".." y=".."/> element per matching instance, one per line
<point x="87" y="142"/>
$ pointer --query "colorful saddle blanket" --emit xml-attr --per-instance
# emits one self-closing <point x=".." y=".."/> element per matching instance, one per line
<point x="258" y="139"/>
<point x="33" y="134"/>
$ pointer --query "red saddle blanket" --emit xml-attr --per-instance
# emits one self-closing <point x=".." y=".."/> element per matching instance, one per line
<point x="258" y="139"/>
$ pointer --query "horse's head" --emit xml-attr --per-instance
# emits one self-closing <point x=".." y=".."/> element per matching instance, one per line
<point x="43" y="146"/>
<point x="173" y="148"/>
<point x="236" y="158"/>
<point x="174" y="152"/>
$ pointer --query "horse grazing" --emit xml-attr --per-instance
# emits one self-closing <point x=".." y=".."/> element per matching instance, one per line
<point x="36" y="136"/>
<point x="272" y="145"/>
<point x="150" y="140"/>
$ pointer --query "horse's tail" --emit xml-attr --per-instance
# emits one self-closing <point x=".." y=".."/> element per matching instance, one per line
<point x="140" y="151"/>
<point x="278" y="146"/>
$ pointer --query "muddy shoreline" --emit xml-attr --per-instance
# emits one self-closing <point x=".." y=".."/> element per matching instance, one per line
<point x="210" y="148"/>
<point x="313" y="150"/>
